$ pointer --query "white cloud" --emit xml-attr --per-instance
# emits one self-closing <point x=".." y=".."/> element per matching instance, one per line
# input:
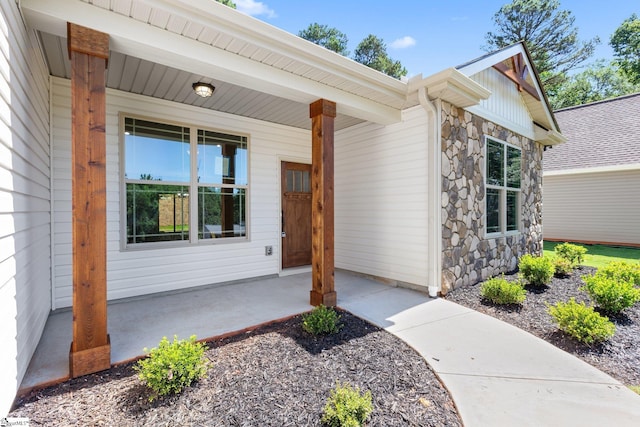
<point x="254" y="8"/>
<point x="403" y="42"/>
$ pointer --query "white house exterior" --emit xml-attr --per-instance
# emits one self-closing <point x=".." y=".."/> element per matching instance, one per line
<point x="410" y="159"/>
<point x="591" y="182"/>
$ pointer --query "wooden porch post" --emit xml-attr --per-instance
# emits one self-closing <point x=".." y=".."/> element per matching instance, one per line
<point x="90" y="348"/>
<point x="322" y="114"/>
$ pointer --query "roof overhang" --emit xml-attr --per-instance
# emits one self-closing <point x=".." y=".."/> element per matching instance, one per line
<point x="210" y="39"/>
<point x="548" y="137"/>
<point x="547" y="132"/>
<point x="452" y="86"/>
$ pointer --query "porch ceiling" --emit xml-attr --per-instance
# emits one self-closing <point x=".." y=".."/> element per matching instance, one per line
<point x="160" y="47"/>
<point x="135" y="75"/>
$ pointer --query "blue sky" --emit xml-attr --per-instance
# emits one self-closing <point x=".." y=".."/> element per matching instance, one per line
<point x="427" y="35"/>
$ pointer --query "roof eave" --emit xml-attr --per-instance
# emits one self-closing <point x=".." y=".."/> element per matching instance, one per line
<point x="452" y="86"/>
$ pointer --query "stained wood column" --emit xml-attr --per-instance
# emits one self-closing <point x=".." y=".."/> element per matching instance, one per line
<point x="322" y="114"/>
<point x="90" y="348"/>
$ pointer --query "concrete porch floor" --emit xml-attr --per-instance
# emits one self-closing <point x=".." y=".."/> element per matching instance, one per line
<point x="208" y="311"/>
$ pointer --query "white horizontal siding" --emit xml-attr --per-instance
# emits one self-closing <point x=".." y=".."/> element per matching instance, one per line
<point x="25" y="229"/>
<point x="381" y="199"/>
<point x="598" y="207"/>
<point x="144" y="271"/>
<point x="505" y="106"/>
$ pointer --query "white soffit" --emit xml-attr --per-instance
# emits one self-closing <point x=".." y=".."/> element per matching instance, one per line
<point x="206" y="38"/>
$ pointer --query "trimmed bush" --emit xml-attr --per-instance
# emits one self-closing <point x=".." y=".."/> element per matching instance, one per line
<point x="562" y="266"/>
<point x="582" y="322"/>
<point x="609" y="294"/>
<point x="622" y="271"/>
<point x="171" y="367"/>
<point x="537" y="271"/>
<point x="346" y="406"/>
<point x="321" y="321"/>
<point x="500" y="291"/>
<point x="572" y="253"/>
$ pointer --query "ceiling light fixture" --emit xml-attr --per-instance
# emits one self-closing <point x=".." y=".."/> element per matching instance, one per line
<point x="205" y="90"/>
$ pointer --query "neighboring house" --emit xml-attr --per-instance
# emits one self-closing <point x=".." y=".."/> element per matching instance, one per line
<point x="124" y="182"/>
<point x="591" y="183"/>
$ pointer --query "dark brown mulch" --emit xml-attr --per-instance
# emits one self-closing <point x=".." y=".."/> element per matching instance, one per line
<point x="619" y="356"/>
<point x="276" y="375"/>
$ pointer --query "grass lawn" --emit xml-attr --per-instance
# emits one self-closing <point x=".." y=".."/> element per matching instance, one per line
<point x="599" y="255"/>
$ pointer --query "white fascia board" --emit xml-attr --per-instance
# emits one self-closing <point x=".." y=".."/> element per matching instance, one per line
<point x="150" y="43"/>
<point x="491" y="59"/>
<point x="598" y="169"/>
<point x="549" y="137"/>
<point x="262" y="34"/>
<point x="451" y="85"/>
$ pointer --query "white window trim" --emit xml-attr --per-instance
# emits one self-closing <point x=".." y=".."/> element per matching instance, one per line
<point x="193" y="188"/>
<point x="503" y="193"/>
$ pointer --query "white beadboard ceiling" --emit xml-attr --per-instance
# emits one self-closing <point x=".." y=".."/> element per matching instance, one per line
<point x="160" y="47"/>
<point x="135" y="75"/>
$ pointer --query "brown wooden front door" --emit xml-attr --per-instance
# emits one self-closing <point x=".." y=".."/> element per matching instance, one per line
<point x="296" y="214"/>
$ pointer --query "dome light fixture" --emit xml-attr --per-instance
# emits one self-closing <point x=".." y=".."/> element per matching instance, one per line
<point x="204" y="90"/>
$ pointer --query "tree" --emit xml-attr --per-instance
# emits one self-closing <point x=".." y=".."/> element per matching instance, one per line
<point x="599" y="81"/>
<point x="625" y="42"/>
<point x="549" y="34"/>
<point x="328" y="37"/>
<point x="229" y="3"/>
<point x="372" y="52"/>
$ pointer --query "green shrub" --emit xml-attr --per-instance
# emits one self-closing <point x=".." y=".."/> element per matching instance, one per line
<point x="635" y="388"/>
<point x="347" y="407"/>
<point x="321" y="320"/>
<point x="537" y="271"/>
<point x="171" y="367"/>
<point x="572" y="253"/>
<point x="500" y="291"/>
<point x="562" y="266"/>
<point x="622" y="271"/>
<point x="609" y="294"/>
<point x="582" y="322"/>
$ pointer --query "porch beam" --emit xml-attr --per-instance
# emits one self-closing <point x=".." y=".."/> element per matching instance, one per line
<point x="322" y="113"/>
<point x="517" y="74"/>
<point x="90" y="348"/>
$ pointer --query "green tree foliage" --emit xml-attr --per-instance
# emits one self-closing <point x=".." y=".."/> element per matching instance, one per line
<point x="549" y="34"/>
<point x="625" y="42"/>
<point x="599" y="81"/>
<point x="227" y="3"/>
<point x="372" y="52"/>
<point x="329" y="37"/>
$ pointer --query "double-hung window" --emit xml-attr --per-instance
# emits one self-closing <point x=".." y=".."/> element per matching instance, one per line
<point x="183" y="183"/>
<point x="502" y="178"/>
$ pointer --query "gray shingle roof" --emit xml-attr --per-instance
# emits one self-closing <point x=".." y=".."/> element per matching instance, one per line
<point x="604" y="133"/>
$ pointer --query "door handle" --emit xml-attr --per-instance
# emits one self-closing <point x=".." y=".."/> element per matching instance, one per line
<point x="283" y="233"/>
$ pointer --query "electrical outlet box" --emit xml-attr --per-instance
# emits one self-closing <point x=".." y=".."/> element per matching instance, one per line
<point x="268" y="250"/>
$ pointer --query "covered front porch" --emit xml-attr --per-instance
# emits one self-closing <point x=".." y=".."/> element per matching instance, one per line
<point x="210" y="311"/>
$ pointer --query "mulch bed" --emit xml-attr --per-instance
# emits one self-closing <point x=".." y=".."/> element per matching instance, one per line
<point x="619" y="356"/>
<point x="276" y="375"/>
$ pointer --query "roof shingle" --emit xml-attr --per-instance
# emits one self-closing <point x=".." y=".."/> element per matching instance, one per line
<point x="603" y="133"/>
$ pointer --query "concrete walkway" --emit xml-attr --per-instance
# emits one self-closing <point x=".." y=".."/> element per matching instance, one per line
<point x="498" y="375"/>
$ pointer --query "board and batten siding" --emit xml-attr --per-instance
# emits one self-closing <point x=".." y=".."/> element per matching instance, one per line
<point x="592" y="207"/>
<point x="25" y="210"/>
<point x="381" y="195"/>
<point x="141" y="271"/>
<point x="505" y="106"/>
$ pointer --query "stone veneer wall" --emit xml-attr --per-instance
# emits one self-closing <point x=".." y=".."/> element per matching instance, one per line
<point x="468" y="257"/>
